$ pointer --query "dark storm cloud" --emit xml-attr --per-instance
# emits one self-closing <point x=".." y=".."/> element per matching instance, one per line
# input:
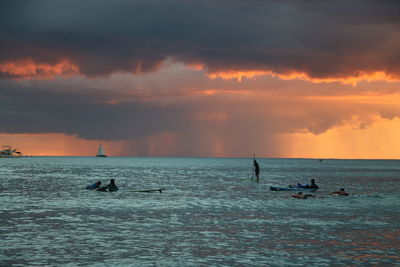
<point x="321" y="38"/>
<point x="237" y="124"/>
<point x="93" y="112"/>
<point x="35" y="109"/>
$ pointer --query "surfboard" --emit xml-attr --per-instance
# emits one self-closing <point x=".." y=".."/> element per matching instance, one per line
<point x="149" y="190"/>
<point x="277" y="188"/>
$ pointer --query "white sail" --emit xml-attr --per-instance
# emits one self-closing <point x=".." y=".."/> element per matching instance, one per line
<point x="100" y="152"/>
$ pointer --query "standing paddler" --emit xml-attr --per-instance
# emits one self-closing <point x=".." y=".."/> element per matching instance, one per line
<point x="256" y="169"/>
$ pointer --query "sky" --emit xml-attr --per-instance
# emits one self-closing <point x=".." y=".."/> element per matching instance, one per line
<point x="209" y="78"/>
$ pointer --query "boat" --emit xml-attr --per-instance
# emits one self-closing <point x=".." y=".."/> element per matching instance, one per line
<point x="9" y="152"/>
<point x="100" y="152"/>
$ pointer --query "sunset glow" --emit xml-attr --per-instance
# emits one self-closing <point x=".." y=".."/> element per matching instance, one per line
<point x="162" y="80"/>
<point x="348" y="141"/>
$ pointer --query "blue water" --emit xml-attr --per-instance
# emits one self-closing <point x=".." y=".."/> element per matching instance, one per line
<point x="210" y="214"/>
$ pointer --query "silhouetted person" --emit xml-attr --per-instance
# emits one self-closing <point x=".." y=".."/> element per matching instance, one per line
<point x="309" y="186"/>
<point x="300" y="195"/>
<point x="110" y="187"/>
<point x="94" y="186"/>
<point x="341" y="192"/>
<point x="256" y="170"/>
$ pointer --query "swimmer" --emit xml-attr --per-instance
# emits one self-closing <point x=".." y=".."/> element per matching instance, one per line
<point x="300" y="195"/>
<point x="341" y="192"/>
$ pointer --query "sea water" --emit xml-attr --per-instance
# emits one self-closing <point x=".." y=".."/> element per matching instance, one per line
<point x="211" y="212"/>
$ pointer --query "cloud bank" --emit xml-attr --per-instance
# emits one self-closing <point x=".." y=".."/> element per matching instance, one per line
<point x="158" y="74"/>
<point x="316" y="39"/>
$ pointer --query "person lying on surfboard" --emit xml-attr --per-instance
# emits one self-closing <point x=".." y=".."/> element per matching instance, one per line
<point x="341" y="192"/>
<point x="94" y="186"/>
<point x="300" y="195"/>
<point x="110" y="187"/>
<point x="309" y="186"/>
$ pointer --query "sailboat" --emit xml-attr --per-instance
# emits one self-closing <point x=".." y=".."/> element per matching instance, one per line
<point x="100" y="152"/>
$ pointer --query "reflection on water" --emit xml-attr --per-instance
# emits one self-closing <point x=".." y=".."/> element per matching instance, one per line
<point x="211" y="213"/>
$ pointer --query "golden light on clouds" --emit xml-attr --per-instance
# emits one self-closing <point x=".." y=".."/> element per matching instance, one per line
<point x="378" y="141"/>
<point x="238" y="75"/>
<point x="366" y="98"/>
<point x="212" y="92"/>
<point x="354" y="79"/>
<point x="28" y="68"/>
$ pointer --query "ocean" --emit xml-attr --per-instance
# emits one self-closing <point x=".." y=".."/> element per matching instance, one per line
<point x="211" y="213"/>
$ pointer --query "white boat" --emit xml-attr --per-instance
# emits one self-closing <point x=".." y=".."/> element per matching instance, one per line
<point x="8" y="152"/>
<point x="100" y="152"/>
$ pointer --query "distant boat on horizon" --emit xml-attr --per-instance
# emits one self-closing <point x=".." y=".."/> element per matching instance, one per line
<point x="100" y="152"/>
<point x="8" y="152"/>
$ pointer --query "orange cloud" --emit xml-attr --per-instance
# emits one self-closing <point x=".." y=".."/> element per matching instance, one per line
<point x="239" y="75"/>
<point x="353" y="80"/>
<point x="196" y="66"/>
<point x="28" y="68"/>
<point x="368" y="98"/>
<point x="211" y="92"/>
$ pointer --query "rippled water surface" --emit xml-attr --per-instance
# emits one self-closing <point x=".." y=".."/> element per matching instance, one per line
<point x="210" y="214"/>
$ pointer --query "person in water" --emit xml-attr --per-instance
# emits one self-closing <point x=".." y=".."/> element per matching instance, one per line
<point x="313" y="185"/>
<point x="341" y="192"/>
<point x="110" y="187"/>
<point x="300" y="195"/>
<point x="94" y="186"/>
<point x="256" y="169"/>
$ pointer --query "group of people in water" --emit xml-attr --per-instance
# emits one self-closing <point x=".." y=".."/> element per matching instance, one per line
<point x="109" y="188"/>
<point x="342" y="192"/>
<point x="300" y="195"/>
<point x="313" y="185"/>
